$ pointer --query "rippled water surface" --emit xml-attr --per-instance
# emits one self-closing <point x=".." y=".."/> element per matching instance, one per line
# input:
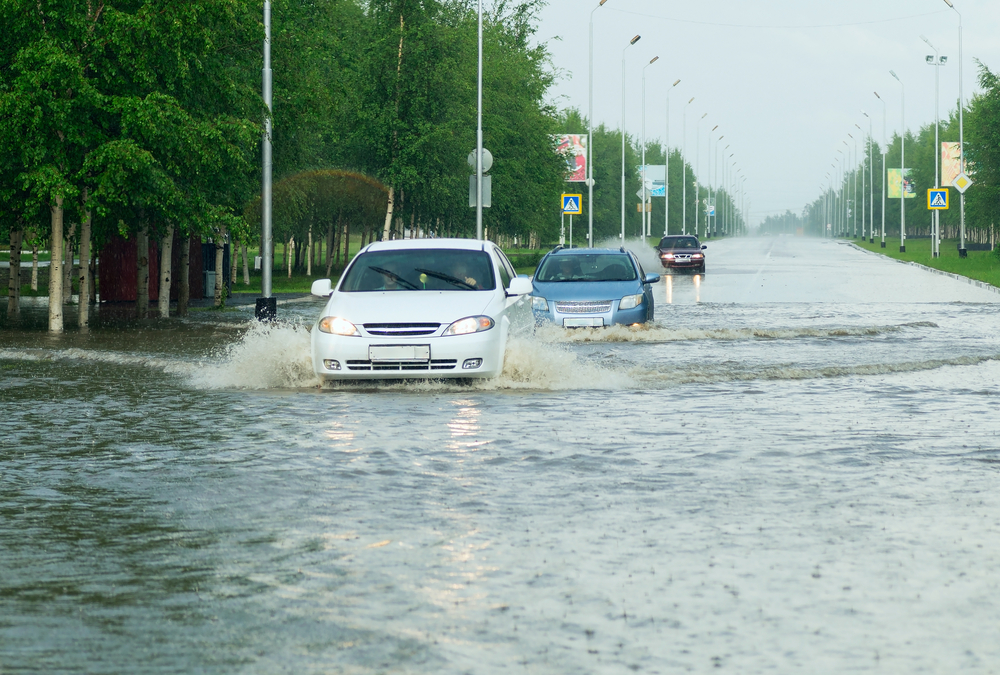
<point x="796" y="469"/>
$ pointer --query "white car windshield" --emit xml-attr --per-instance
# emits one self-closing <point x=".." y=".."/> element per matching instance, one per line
<point x="587" y="267"/>
<point x="420" y="270"/>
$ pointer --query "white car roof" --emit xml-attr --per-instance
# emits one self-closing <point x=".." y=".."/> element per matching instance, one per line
<point x="403" y="244"/>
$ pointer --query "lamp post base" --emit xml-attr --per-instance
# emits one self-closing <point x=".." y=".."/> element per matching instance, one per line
<point x="902" y="249"/>
<point x="883" y="245"/>
<point x="872" y="240"/>
<point x="963" y="253"/>
<point x="266" y="309"/>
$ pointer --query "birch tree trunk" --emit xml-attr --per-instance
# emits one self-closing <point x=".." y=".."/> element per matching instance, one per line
<point x="34" y="267"/>
<point x="184" y="293"/>
<point x="68" y="267"/>
<point x="335" y="247"/>
<point x="310" y="255"/>
<point x="347" y="240"/>
<point x="92" y="283"/>
<point x="388" y="214"/>
<point x="220" y="249"/>
<point x="84" y="315"/>
<point x="142" y="273"/>
<point x="166" y="265"/>
<point x="246" y="267"/>
<point x="234" y="259"/>
<point x="288" y="255"/>
<point x="55" y="268"/>
<point x="329" y="249"/>
<point x="14" y="284"/>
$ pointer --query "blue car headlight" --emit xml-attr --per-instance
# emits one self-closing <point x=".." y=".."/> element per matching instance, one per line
<point x="630" y="301"/>
<point x="539" y="304"/>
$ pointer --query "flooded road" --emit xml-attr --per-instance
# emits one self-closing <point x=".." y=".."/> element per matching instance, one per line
<point x="796" y="469"/>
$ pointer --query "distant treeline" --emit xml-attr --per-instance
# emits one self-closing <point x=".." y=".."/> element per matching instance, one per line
<point x="982" y="155"/>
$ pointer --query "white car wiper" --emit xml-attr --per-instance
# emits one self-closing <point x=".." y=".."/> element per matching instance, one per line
<point x="395" y="277"/>
<point x="447" y="277"/>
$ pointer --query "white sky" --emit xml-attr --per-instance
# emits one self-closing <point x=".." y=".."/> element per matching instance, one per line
<point x="785" y="80"/>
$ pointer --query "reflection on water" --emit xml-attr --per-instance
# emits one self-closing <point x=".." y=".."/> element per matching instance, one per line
<point x="724" y="488"/>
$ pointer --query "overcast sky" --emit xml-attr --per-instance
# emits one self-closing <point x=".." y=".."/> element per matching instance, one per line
<point x="785" y="80"/>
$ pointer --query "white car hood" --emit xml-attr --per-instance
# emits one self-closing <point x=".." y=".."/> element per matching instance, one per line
<point x="408" y="306"/>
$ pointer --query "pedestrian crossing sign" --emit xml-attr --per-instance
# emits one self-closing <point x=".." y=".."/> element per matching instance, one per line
<point x="572" y="204"/>
<point x="937" y="200"/>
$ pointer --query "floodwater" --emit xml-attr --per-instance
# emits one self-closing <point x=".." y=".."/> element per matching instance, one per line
<point x="796" y="469"/>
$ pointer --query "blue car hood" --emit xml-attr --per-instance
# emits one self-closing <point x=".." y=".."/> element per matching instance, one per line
<point x="586" y="290"/>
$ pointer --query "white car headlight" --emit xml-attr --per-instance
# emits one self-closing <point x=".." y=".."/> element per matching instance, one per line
<point x="630" y="301"/>
<point x="338" y="326"/>
<point x="539" y="304"/>
<point x="470" y="324"/>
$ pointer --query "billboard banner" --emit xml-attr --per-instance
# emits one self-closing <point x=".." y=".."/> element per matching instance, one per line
<point x="653" y="175"/>
<point x="951" y="162"/>
<point x="574" y="148"/>
<point x="893" y="183"/>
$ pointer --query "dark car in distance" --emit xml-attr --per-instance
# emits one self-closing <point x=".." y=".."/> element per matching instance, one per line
<point x="682" y="252"/>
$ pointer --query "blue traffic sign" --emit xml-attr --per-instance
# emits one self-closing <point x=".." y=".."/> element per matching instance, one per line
<point x="572" y="204"/>
<point x="937" y="200"/>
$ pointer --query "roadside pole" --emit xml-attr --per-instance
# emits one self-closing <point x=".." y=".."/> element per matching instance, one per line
<point x="267" y="306"/>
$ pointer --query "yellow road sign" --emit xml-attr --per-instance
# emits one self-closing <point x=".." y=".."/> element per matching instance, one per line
<point x="572" y="204"/>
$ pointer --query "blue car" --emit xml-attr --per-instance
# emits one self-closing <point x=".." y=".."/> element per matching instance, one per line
<point x="591" y="287"/>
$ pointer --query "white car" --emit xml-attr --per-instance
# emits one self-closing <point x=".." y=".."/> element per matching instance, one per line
<point x="420" y="308"/>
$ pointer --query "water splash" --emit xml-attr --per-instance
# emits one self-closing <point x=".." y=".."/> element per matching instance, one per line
<point x="267" y="356"/>
<point x="653" y="333"/>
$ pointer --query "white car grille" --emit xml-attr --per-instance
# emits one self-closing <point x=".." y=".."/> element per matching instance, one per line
<point x="401" y="329"/>
<point x="586" y="307"/>
<point x="435" y="364"/>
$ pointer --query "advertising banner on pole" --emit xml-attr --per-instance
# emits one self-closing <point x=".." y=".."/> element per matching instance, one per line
<point x="893" y="184"/>
<point x="574" y="148"/>
<point x="951" y="162"/>
<point x="655" y="178"/>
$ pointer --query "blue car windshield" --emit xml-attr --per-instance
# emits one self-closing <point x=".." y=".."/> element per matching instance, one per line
<point x="586" y="267"/>
<point x="420" y="270"/>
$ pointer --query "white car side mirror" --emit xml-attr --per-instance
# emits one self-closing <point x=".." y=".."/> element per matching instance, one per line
<point x="520" y="286"/>
<point x="322" y="288"/>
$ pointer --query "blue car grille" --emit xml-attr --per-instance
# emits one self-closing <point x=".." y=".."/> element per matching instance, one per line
<point x="585" y="307"/>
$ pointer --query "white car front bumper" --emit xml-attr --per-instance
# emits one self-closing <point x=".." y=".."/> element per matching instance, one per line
<point x="337" y="357"/>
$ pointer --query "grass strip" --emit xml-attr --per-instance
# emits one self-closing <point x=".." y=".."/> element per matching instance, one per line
<point x="979" y="265"/>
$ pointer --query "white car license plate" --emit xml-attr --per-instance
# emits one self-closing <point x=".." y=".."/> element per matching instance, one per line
<point x="414" y="353"/>
<point x="582" y="322"/>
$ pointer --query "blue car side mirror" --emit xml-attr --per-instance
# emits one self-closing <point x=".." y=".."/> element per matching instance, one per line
<point x="651" y="279"/>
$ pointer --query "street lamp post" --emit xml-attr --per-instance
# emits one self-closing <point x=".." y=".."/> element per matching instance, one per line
<point x="684" y="182"/>
<point x="630" y="43"/>
<point x="871" y="182"/>
<point x="884" y="142"/>
<point x="666" y="167"/>
<point x="479" y="131"/>
<point x="713" y="222"/>
<point x="902" y="163"/>
<point x="266" y="306"/>
<point x="962" y="252"/>
<point x="937" y="61"/>
<point x="697" y="166"/>
<point x="864" y="161"/>
<point x="590" y="136"/>
<point x="651" y="62"/>
<point x="854" y="202"/>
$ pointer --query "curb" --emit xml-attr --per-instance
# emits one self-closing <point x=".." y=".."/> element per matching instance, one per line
<point x="958" y="277"/>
